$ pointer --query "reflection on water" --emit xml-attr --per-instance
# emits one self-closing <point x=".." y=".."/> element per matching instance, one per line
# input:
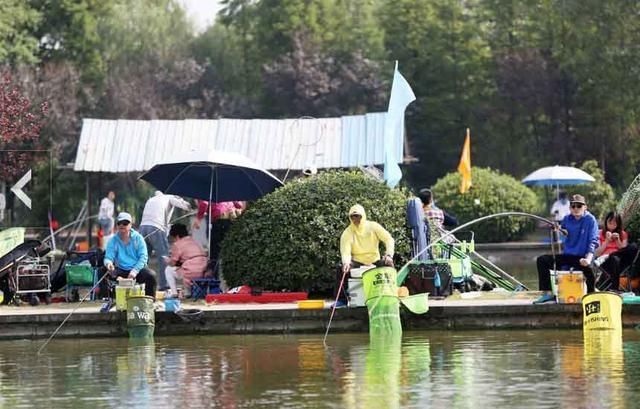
<point x="422" y="369"/>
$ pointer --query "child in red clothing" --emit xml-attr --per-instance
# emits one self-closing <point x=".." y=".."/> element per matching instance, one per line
<point x="615" y="253"/>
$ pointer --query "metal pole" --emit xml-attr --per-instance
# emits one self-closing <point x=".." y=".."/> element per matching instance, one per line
<point x="88" y="187"/>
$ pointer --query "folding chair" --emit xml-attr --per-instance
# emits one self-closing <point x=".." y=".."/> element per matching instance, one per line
<point x="627" y="275"/>
<point x="631" y="275"/>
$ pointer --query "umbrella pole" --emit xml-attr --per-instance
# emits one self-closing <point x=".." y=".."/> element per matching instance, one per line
<point x="209" y="213"/>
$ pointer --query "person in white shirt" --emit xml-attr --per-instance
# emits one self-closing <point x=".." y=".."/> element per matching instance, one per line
<point x="105" y="215"/>
<point x="154" y="227"/>
<point x="560" y="207"/>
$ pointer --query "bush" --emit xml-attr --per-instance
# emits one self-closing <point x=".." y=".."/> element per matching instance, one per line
<point x="599" y="195"/>
<point x="633" y="227"/>
<point x="492" y="192"/>
<point x="289" y="239"/>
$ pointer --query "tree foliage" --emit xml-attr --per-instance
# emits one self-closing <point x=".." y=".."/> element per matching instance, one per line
<point x="18" y="43"/>
<point x="20" y="125"/>
<point x="309" y="82"/>
<point x="538" y="82"/>
<point x="492" y="192"/>
<point x="599" y="194"/>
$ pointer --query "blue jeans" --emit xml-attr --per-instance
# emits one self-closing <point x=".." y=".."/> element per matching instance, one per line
<point x="157" y="241"/>
<point x="106" y="225"/>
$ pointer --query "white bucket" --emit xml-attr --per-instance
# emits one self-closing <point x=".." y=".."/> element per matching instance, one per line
<point x="356" y="292"/>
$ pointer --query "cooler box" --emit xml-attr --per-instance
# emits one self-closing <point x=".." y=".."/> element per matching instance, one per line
<point x="356" y="292"/>
<point x="571" y="287"/>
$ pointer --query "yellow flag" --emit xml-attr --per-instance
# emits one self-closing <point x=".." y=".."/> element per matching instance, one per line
<point x="464" y="167"/>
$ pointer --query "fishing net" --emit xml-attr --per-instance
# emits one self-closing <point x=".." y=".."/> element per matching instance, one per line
<point x="629" y="205"/>
<point x="381" y="294"/>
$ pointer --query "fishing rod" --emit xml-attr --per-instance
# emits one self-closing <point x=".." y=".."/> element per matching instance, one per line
<point x="71" y="313"/>
<point x="501" y="272"/>
<point x="404" y="270"/>
<point x="86" y="296"/>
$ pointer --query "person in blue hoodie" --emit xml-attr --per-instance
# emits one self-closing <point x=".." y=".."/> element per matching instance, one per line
<point x="127" y="255"/>
<point x="581" y="230"/>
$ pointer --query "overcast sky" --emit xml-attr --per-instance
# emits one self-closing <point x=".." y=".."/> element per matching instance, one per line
<point x="202" y="12"/>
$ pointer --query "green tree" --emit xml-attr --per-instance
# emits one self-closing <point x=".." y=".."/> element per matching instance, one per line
<point x="266" y="31"/>
<point x="18" y="44"/>
<point x="492" y="192"/>
<point x="443" y="55"/>
<point x="70" y="31"/>
<point x="600" y="196"/>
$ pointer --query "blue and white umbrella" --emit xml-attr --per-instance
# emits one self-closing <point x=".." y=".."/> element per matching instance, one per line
<point x="557" y="176"/>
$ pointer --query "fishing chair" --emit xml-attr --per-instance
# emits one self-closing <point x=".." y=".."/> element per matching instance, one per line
<point x="628" y="276"/>
<point x="631" y="273"/>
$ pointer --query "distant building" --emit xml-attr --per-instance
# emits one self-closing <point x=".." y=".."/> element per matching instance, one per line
<point x="296" y="144"/>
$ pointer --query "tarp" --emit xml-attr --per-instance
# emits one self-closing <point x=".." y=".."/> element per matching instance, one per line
<point x="10" y="238"/>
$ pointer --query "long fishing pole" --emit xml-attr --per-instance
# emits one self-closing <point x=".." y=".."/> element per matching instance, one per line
<point x="503" y="273"/>
<point x="333" y="309"/>
<point x="404" y="270"/>
<point x="86" y="296"/>
<point x="71" y="313"/>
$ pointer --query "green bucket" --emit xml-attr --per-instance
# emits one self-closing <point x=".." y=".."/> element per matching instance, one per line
<point x="141" y="317"/>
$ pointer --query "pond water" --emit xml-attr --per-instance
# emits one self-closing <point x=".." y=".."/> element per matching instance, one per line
<point x="523" y="369"/>
<point x="520" y="264"/>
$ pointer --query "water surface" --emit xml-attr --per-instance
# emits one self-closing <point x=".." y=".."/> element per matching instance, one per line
<point x="491" y="369"/>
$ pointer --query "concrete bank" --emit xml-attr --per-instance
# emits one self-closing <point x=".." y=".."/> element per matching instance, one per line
<point x="40" y="322"/>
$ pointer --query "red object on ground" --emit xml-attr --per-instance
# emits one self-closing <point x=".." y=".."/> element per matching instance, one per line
<point x="262" y="298"/>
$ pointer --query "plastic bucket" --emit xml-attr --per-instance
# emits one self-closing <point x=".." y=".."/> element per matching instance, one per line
<point x="124" y="292"/>
<point x="602" y="311"/>
<point x="141" y="317"/>
<point x="356" y="292"/>
<point x="171" y="304"/>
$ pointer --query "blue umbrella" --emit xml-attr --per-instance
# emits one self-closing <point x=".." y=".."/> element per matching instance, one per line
<point x="214" y="176"/>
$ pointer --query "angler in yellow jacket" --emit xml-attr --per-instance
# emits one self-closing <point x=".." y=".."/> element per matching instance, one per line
<point x="360" y="243"/>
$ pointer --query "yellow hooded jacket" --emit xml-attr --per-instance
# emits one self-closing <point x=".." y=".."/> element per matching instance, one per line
<point x="361" y="243"/>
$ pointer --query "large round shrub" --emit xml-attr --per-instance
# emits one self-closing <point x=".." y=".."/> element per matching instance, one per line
<point x="492" y="192"/>
<point x="289" y="239"/>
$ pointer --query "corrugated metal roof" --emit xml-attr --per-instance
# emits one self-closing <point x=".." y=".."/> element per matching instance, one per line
<point x="135" y="146"/>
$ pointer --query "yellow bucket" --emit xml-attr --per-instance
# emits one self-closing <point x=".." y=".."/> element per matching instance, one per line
<point x="602" y="311"/>
<point x="122" y="293"/>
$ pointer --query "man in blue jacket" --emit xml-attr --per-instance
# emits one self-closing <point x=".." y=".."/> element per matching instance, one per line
<point x="581" y="229"/>
<point x="127" y="255"/>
